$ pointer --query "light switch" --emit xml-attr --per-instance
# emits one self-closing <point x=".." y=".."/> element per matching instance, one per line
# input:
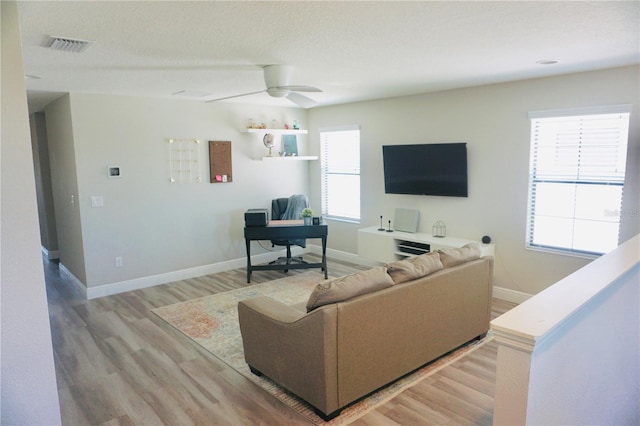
<point x="113" y="171"/>
<point x="97" y="201"/>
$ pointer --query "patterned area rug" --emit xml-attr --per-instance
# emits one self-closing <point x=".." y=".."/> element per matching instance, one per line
<point x="212" y="322"/>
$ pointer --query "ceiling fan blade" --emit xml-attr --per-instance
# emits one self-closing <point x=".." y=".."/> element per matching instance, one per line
<point x="235" y="96"/>
<point x="298" y="88"/>
<point x="301" y="100"/>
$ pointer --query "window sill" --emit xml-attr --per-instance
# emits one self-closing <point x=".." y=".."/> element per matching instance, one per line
<point x="564" y="252"/>
<point x="342" y="219"/>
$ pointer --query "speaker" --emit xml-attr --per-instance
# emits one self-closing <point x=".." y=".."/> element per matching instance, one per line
<point x="256" y="217"/>
<point x="486" y="239"/>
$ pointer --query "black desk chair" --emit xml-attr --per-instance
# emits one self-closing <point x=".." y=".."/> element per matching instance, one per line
<point x="289" y="209"/>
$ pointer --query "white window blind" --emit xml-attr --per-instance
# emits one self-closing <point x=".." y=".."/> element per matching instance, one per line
<point x="576" y="180"/>
<point x="340" y="172"/>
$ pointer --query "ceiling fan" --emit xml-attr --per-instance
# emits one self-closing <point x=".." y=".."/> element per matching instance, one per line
<point x="277" y="78"/>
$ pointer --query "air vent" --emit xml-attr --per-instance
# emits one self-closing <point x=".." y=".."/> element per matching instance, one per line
<point x="68" y="44"/>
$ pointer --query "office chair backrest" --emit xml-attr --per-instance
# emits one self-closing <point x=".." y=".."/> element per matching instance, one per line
<point x="278" y="207"/>
<point x="295" y="205"/>
<point x="289" y="209"/>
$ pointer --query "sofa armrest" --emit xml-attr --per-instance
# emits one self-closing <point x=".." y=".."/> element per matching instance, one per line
<point x="294" y="349"/>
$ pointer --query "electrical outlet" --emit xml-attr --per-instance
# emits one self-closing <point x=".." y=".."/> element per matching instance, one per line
<point x="119" y="262"/>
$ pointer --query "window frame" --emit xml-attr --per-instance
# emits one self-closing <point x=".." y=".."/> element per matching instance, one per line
<point x="578" y="182"/>
<point x="324" y="173"/>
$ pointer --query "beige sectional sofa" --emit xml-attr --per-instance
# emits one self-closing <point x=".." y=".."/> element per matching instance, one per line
<point x="363" y="331"/>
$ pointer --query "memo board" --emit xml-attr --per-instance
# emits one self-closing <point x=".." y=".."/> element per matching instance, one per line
<point x="220" y="161"/>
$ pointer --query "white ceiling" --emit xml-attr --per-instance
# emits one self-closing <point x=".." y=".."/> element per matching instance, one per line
<point x="352" y="50"/>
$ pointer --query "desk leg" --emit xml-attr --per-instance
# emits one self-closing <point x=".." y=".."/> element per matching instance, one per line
<point x="248" y="243"/>
<point x="324" y="257"/>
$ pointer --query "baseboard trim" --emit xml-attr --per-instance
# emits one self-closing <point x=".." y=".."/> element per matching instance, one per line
<point x="153" y="280"/>
<point x="509" y="295"/>
<point x="73" y="279"/>
<point x="183" y="274"/>
<point x="50" y="254"/>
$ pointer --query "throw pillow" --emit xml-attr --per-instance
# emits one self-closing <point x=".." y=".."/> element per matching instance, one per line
<point x="401" y="271"/>
<point x="427" y="263"/>
<point x="453" y="257"/>
<point x="414" y="267"/>
<point x="349" y="286"/>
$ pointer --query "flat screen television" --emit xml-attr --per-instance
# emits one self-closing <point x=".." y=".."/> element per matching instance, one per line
<point x="426" y="169"/>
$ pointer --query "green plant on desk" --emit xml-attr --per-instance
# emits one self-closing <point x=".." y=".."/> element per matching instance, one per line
<point x="306" y="214"/>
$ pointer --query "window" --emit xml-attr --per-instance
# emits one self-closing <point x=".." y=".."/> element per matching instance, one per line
<point x="340" y="173"/>
<point x="576" y="178"/>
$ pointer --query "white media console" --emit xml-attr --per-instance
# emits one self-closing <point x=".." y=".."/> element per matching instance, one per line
<point x="386" y="246"/>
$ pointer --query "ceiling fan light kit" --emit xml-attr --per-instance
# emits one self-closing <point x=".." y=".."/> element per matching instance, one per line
<point x="277" y="75"/>
<point x="277" y="92"/>
<point x="277" y="79"/>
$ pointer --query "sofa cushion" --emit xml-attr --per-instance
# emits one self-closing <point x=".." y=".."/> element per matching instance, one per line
<point x="349" y="286"/>
<point x="453" y="257"/>
<point x="414" y="267"/>
<point x="426" y="264"/>
<point x="401" y="271"/>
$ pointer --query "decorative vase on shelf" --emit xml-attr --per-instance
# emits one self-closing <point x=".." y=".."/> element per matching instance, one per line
<point x="439" y="229"/>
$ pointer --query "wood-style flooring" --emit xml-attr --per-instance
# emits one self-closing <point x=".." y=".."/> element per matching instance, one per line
<point x="118" y="364"/>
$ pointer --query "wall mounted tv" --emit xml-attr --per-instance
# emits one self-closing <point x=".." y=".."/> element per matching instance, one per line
<point x="426" y="169"/>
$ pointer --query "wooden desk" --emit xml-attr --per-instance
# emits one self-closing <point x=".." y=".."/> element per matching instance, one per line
<point x="286" y="230"/>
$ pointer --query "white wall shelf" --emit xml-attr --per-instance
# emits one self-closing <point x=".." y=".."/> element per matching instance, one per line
<point x="283" y="132"/>
<point x="296" y="158"/>
<point x="277" y="131"/>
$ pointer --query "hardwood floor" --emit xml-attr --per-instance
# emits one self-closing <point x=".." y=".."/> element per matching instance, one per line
<point x="117" y="363"/>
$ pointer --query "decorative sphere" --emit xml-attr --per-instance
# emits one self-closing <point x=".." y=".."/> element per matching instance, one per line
<point x="268" y="140"/>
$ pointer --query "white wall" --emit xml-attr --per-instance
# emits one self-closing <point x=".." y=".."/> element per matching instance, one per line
<point x="570" y="355"/>
<point x="588" y="372"/>
<point x="44" y="191"/>
<point x="28" y="392"/>
<point x="156" y="226"/>
<point x="493" y="120"/>
<point x="65" y="186"/>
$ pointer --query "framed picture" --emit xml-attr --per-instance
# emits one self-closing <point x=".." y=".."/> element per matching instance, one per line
<point x="289" y="145"/>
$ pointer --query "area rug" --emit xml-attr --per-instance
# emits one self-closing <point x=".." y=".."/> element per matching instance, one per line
<point x="212" y="322"/>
